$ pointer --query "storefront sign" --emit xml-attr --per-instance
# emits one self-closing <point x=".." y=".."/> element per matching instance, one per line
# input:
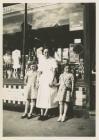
<point x="78" y="40"/>
<point x="76" y="21"/>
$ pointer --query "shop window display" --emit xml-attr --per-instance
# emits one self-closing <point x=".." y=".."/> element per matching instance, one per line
<point x="76" y="60"/>
<point x="7" y="64"/>
<point x="74" y="56"/>
<point x="13" y="63"/>
<point x="16" y="55"/>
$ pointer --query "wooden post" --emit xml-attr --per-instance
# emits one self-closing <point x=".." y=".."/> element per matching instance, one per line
<point x="24" y="38"/>
<point x="89" y="44"/>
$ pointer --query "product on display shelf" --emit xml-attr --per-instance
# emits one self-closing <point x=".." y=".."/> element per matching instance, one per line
<point x="9" y="73"/>
<point x="7" y="65"/>
<point x="65" y="53"/>
<point x="58" y="55"/>
<point x="16" y="55"/>
<point x="65" y="56"/>
<point x="7" y="60"/>
<point x="81" y="69"/>
<point x="73" y="57"/>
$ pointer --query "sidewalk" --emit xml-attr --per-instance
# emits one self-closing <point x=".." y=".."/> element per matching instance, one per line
<point x="16" y="127"/>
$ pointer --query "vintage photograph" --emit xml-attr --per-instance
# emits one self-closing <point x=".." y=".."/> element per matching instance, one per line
<point x="49" y="69"/>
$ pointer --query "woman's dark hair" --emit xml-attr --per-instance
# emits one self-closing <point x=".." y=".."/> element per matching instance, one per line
<point x="50" y="49"/>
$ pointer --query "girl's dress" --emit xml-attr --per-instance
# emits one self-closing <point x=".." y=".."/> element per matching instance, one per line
<point x="30" y="88"/>
<point x="64" y="91"/>
<point x="46" y="94"/>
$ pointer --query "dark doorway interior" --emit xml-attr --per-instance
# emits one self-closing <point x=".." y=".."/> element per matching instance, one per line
<point x="54" y="37"/>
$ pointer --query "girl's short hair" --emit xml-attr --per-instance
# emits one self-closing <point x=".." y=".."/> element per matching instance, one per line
<point x="32" y="63"/>
<point x="68" y="66"/>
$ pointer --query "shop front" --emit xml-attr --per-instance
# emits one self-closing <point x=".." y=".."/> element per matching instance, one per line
<point x="63" y="28"/>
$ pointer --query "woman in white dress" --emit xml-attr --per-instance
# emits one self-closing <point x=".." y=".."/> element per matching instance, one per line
<point x="46" y="91"/>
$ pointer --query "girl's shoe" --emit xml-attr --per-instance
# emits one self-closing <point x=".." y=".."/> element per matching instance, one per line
<point x="63" y="118"/>
<point x="23" y="116"/>
<point x="59" y="119"/>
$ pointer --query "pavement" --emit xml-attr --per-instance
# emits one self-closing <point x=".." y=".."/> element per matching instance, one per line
<point x="14" y="126"/>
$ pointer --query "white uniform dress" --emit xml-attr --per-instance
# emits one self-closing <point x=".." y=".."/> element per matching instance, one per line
<point x="46" y="94"/>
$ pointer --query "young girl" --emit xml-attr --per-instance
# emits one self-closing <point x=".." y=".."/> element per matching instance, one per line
<point x="30" y="90"/>
<point x="66" y="85"/>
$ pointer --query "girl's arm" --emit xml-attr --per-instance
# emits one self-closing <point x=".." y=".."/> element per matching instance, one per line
<point x="37" y="80"/>
<point x="58" y="84"/>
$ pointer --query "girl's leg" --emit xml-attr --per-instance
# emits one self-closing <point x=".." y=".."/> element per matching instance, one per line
<point x="65" y="111"/>
<point x="60" y="111"/>
<point x="26" y="106"/>
<point x="32" y="105"/>
<point x="26" y="109"/>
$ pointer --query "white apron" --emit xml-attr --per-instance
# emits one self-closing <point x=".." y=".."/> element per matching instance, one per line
<point x="47" y="94"/>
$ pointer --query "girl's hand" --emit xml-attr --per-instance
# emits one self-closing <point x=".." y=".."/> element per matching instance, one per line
<point x="51" y="84"/>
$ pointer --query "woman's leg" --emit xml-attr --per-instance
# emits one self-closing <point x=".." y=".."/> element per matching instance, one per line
<point x="60" y="111"/>
<point x="42" y="111"/>
<point x="46" y="112"/>
<point x="41" y="115"/>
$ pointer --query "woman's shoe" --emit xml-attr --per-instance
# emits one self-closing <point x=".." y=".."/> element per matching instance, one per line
<point x="59" y="119"/>
<point x="46" y="117"/>
<point x="24" y="116"/>
<point x="40" y="117"/>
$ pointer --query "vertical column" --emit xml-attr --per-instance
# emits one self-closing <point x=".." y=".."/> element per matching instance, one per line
<point x="24" y="38"/>
<point x="89" y="44"/>
<point x="1" y="70"/>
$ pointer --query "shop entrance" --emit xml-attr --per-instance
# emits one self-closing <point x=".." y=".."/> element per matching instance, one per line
<point x="57" y="36"/>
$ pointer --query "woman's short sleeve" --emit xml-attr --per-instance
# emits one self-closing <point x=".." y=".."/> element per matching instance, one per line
<point x="54" y="63"/>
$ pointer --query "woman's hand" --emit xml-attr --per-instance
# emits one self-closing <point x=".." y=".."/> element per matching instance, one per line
<point x="51" y="84"/>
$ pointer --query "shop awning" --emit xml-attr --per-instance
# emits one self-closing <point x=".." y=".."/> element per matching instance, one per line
<point x="39" y="15"/>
